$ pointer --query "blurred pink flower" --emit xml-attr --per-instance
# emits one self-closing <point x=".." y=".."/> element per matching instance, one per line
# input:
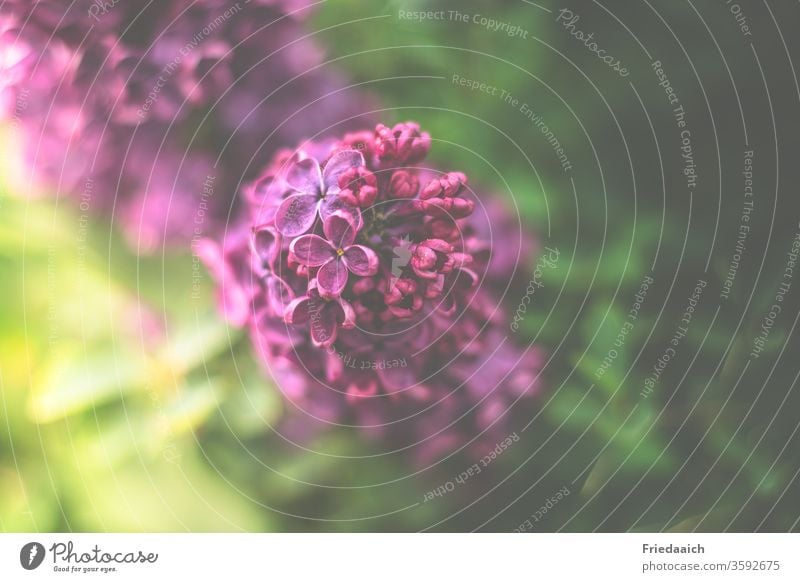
<point x="137" y="98"/>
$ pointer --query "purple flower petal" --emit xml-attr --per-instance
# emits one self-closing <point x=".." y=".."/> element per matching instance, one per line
<point x="296" y="214"/>
<point x="361" y="261"/>
<point x="331" y="278"/>
<point x="233" y="299"/>
<point x="312" y="250"/>
<point x="210" y="253"/>
<point x="279" y="294"/>
<point x="266" y="191"/>
<point x="346" y="316"/>
<point x="447" y="305"/>
<point x="298" y="311"/>
<point x="304" y="176"/>
<point x="328" y="318"/>
<point x="338" y="163"/>
<point x="266" y="244"/>
<point x="264" y="214"/>
<point x="333" y="203"/>
<point x="465" y="279"/>
<point x="234" y="303"/>
<point x="340" y="229"/>
<point x="324" y="325"/>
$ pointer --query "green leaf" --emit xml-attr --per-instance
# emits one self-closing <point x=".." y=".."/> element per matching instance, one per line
<point x="74" y="381"/>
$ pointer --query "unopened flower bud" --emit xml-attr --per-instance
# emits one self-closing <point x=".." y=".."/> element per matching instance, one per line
<point x="403" y="184"/>
<point x="358" y="187"/>
<point x="362" y="141"/>
<point x="448" y="185"/>
<point x="401" y="144"/>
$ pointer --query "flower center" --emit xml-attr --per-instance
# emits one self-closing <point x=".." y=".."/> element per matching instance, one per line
<point x="339" y="252"/>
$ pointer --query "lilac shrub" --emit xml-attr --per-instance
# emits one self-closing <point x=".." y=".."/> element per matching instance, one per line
<point x="371" y="289"/>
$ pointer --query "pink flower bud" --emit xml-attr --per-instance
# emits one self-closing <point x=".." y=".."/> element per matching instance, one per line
<point x="403" y="184"/>
<point x="448" y="185"/>
<point x="362" y="141"/>
<point x="462" y="207"/>
<point x="398" y="290"/>
<point x="443" y="228"/>
<point x="401" y="144"/>
<point x="363" y="285"/>
<point x="358" y="187"/>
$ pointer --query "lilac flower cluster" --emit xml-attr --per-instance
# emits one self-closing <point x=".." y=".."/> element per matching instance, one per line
<point x="370" y="291"/>
<point x="149" y="101"/>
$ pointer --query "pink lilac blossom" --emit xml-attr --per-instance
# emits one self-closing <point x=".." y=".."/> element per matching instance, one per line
<point x="370" y="290"/>
<point x="149" y="100"/>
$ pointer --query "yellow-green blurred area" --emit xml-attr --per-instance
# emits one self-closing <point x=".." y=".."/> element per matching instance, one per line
<point x="100" y="386"/>
<point x="129" y="405"/>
